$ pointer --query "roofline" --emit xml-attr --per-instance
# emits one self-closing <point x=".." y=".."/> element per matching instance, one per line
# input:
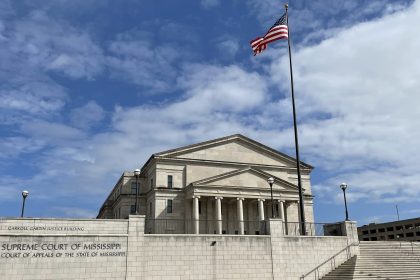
<point x="392" y="222"/>
<point x="147" y="162"/>
<point x="233" y="136"/>
<point x="109" y="195"/>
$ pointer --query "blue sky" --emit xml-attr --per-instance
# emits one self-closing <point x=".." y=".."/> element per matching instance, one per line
<point x="89" y="89"/>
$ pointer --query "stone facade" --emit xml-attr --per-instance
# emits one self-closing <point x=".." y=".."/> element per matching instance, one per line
<point x="120" y="249"/>
<point x="218" y="186"/>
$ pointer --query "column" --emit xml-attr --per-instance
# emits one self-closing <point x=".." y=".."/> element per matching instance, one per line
<point x="219" y="214"/>
<point x="281" y="209"/>
<point x="196" y="215"/>
<point x="239" y="204"/>
<point x="286" y="217"/>
<point x="261" y="209"/>
<point x="261" y="228"/>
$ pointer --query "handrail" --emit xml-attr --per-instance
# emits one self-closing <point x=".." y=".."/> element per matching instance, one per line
<point x="316" y="269"/>
<point x="412" y="250"/>
<point x="412" y="242"/>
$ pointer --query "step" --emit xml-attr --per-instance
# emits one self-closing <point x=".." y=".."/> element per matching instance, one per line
<point x="381" y="260"/>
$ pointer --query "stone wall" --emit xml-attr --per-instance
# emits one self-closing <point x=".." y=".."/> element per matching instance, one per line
<point x="119" y="249"/>
<point x="63" y="249"/>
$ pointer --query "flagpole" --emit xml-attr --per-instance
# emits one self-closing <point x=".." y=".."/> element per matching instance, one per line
<point x="301" y="205"/>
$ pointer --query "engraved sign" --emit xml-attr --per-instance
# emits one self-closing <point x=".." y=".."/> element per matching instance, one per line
<point x="61" y="250"/>
<point x="46" y="228"/>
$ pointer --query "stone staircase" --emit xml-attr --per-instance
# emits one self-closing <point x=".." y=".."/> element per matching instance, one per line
<point x="381" y="260"/>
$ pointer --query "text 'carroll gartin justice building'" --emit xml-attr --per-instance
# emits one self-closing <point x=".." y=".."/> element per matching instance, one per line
<point x="218" y="186"/>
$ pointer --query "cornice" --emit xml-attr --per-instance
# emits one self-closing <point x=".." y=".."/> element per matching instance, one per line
<point x="158" y="159"/>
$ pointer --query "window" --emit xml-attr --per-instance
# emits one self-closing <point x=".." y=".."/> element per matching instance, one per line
<point x="418" y="233"/>
<point x="133" y="209"/>
<point x="133" y="187"/>
<point x="169" y="206"/>
<point x="381" y="230"/>
<point x="391" y="236"/>
<point x="390" y="229"/>
<point x="398" y="228"/>
<point x="365" y="232"/>
<point x="373" y="231"/>
<point x="410" y="234"/>
<point x="373" y="239"/>
<point x="169" y="181"/>
<point x="409" y="226"/>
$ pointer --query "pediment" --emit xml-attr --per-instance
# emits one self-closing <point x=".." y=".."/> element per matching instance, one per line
<point x="235" y="149"/>
<point x="249" y="178"/>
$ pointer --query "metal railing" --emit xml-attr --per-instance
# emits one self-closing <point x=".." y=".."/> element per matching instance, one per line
<point x="183" y="226"/>
<point x="331" y="263"/>
<point x="314" y="229"/>
<point x="415" y="249"/>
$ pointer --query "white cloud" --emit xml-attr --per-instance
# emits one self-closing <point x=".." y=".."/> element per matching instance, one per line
<point x="41" y="42"/>
<point x="357" y="95"/>
<point x="208" y="4"/>
<point x="6" y="8"/>
<point x="12" y="147"/>
<point x="141" y="63"/>
<point x="322" y="19"/>
<point x="357" y="106"/>
<point x="50" y="132"/>
<point x="228" y="47"/>
<point x="87" y="115"/>
<point x="216" y="102"/>
<point x="34" y="97"/>
<point x="137" y="56"/>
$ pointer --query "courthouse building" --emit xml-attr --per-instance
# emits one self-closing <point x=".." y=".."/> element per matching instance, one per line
<point x="215" y="187"/>
<point x="218" y="186"/>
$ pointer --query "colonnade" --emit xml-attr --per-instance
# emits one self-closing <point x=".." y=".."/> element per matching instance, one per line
<point x="239" y="212"/>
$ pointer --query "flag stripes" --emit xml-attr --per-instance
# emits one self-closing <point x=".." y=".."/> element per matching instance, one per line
<point x="277" y="32"/>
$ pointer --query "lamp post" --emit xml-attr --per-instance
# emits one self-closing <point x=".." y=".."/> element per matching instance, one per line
<point x="24" y="196"/>
<point x="270" y="182"/>
<point x="137" y="174"/>
<point x="343" y="186"/>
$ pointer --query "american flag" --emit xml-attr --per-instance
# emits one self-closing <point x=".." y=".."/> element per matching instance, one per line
<point x="276" y="32"/>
